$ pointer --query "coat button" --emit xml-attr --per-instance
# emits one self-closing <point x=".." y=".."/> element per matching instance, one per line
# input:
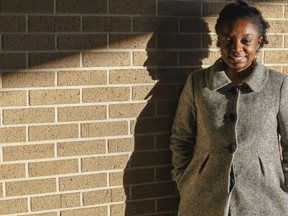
<point x="234" y="90"/>
<point x="232" y="117"/>
<point x="231" y="148"/>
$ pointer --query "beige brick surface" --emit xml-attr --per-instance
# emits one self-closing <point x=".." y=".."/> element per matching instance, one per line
<point x="54" y="60"/>
<point x="286" y="41"/>
<point x="278" y="26"/>
<point x="102" y="94"/>
<point x="74" y="6"/>
<point x="55" y="201"/>
<point x="99" y="211"/>
<point x="106" y="59"/>
<point x="275" y="41"/>
<point x="77" y="78"/>
<point x="102" y="129"/>
<point x="275" y="57"/>
<point x="155" y="58"/>
<point x="116" y="179"/>
<point x="130" y="110"/>
<point x="179" y="8"/>
<point x="18" y="188"/>
<point x="13" y="206"/>
<point x="27" y="6"/>
<point x="10" y="23"/>
<point x="28" y="79"/>
<point x="130" y="41"/>
<point x="28" y="42"/>
<point x="81" y="113"/>
<point x="118" y="209"/>
<point x="9" y="171"/>
<point x="45" y="214"/>
<point x="57" y="96"/>
<point x="1" y="190"/>
<point x="104" y="196"/>
<point x="53" y="132"/>
<point x="12" y="134"/>
<point x="26" y="152"/>
<point x="132" y="7"/>
<point x="155" y="24"/>
<point x="106" y="24"/>
<point x="104" y="163"/>
<point x="12" y="61"/>
<point x="121" y="145"/>
<point x="81" y="148"/>
<point x="13" y="98"/>
<point x="83" y="182"/>
<point x="26" y="116"/>
<point x="53" y="167"/>
<point x="81" y="42"/>
<point x="54" y="24"/>
<point x="130" y="76"/>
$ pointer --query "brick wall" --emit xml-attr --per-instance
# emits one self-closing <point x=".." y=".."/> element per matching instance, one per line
<point x="89" y="90"/>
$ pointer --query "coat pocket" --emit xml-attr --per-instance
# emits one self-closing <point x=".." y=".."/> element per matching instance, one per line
<point x="261" y="166"/>
<point x="204" y="164"/>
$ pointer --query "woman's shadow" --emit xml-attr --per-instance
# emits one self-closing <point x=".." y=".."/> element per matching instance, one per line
<point x="147" y="180"/>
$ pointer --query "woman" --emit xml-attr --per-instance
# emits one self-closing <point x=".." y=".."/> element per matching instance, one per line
<point x="226" y="151"/>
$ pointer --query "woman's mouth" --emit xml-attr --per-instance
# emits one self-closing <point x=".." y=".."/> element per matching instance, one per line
<point x="238" y="59"/>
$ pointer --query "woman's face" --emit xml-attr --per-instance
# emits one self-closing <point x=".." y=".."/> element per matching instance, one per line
<point x="239" y="44"/>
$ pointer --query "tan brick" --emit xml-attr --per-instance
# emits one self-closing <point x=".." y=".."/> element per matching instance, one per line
<point x="179" y="41"/>
<point x="80" y="78"/>
<point x="54" y="24"/>
<point x="132" y="7"/>
<point x="212" y="9"/>
<point x="275" y="41"/>
<point x="118" y="209"/>
<point x="270" y="11"/>
<point x="145" y="207"/>
<point x="276" y="57"/>
<point x="153" y="190"/>
<point x="121" y="145"/>
<point x="104" y="196"/>
<point x="101" y="129"/>
<point x="197" y="25"/>
<point x="52" y="132"/>
<point x="12" y="23"/>
<point x="151" y="125"/>
<point x="1" y="190"/>
<point x="55" y="202"/>
<point x="75" y="6"/>
<point x="13" y="98"/>
<point x="278" y="26"/>
<point x="116" y="179"/>
<point x="102" y="94"/>
<point x="104" y="163"/>
<point x="15" y="134"/>
<point x="55" y="96"/>
<point x="99" y="211"/>
<point x="13" y="206"/>
<point x="168" y="204"/>
<point x="27" y="6"/>
<point x="30" y="187"/>
<point x="29" y="115"/>
<point x="209" y="41"/>
<point x="155" y="24"/>
<point x="54" y="60"/>
<point x="81" y="113"/>
<point x="83" y="182"/>
<point x="28" y="79"/>
<point x="53" y="167"/>
<point x="75" y="42"/>
<point x="165" y="91"/>
<point x="26" y="152"/>
<point x="12" y="61"/>
<point x="130" y="76"/>
<point x="151" y="158"/>
<point x="285" y="70"/>
<point x="199" y="58"/>
<point x="10" y="171"/>
<point x="179" y="8"/>
<point x="286" y="41"/>
<point x="106" y="24"/>
<point x="106" y="59"/>
<point x="28" y="42"/>
<point x="130" y="41"/>
<point x="155" y="58"/>
<point x="138" y="176"/>
<point x="81" y="148"/>
<point x="130" y="110"/>
<point x="45" y="214"/>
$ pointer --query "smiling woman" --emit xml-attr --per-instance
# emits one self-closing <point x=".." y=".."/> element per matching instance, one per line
<point x="225" y="138"/>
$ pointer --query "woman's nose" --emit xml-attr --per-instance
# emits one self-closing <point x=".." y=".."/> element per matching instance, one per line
<point x="237" y="46"/>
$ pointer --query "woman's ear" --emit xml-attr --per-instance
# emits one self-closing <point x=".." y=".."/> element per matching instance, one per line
<point x="260" y="41"/>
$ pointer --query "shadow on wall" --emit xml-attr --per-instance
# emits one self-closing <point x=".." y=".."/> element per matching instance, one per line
<point x="147" y="180"/>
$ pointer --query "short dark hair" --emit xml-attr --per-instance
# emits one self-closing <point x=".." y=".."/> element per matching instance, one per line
<point x="240" y="9"/>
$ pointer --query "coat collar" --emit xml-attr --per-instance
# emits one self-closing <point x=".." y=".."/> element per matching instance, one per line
<point x="216" y="78"/>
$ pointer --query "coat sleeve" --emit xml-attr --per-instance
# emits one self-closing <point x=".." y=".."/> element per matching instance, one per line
<point x="184" y="128"/>
<point x="283" y="124"/>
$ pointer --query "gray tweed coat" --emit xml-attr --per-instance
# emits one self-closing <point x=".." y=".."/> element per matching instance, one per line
<point x="225" y="144"/>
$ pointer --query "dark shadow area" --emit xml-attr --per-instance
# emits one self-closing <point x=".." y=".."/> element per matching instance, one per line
<point x="147" y="180"/>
